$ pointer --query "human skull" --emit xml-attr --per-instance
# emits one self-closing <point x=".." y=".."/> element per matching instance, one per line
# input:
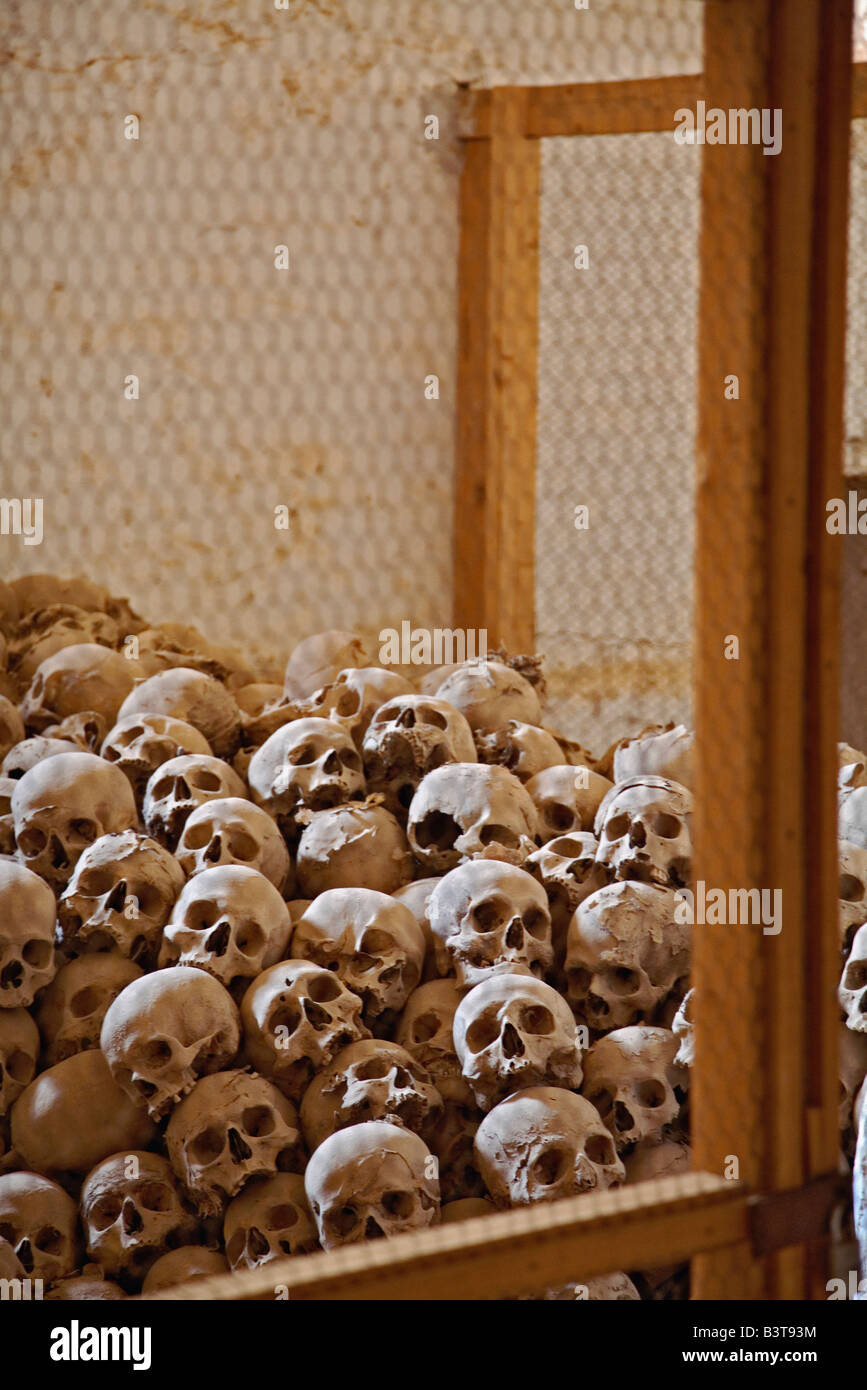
<point x="120" y="897"/>
<point x="369" y="1080"/>
<point x="416" y="896"/>
<point x="683" y="1029"/>
<point x="19" y="1051"/>
<point x="140" y="743"/>
<point x="296" y="1017"/>
<point x="489" y="694"/>
<point x="179" y="786"/>
<point x="852" y="891"/>
<point x="86" y="1287"/>
<point x="632" y="1078"/>
<point x="7" y="823"/>
<point x="409" y="737"/>
<point x="71" y="1008"/>
<point x="544" y="1143"/>
<point x="83" y="677"/>
<point x="852" y="801"/>
<point x="133" y="1211"/>
<point x="270" y="1219"/>
<point x="470" y="811"/>
<point x="353" y="847"/>
<point x="231" y="830"/>
<point x="319" y="659"/>
<point x="852" y="993"/>
<point x="40" y="1222"/>
<point x="425" y="1030"/>
<point x="27" y="912"/>
<point x="452" y="1141"/>
<point x="643" y="829"/>
<point x="567" y="870"/>
<point x="183" y="1266"/>
<point x="307" y="764"/>
<point x="232" y="1126"/>
<point x="374" y="945"/>
<point x="513" y="1031"/>
<point x="625" y="954"/>
<point x="196" y="698"/>
<point x="64" y="804"/>
<point x="11" y="726"/>
<point x="229" y="921"/>
<point x="852" y="1070"/>
<point x="371" y="1180"/>
<point x="524" y="749"/>
<point x="31" y="751"/>
<point x="566" y="799"/>
<point x="167" y="1029"/>
<point x="352" y="699"/>
<point x="86" y="730"/>
<point x="55" y="626"/>
<point x="73" y="1115"/>
<point x="490" y="918"/>
<point x="660" y="751"/>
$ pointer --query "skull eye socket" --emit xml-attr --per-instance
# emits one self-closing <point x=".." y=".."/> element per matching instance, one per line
<point x="603" y="1099"/>
<point x="149" y="899"/>
<point x="851" y="888"/>
<point x="281" y="1218"/>
<point x="616" y="827"/>
<point x="373" y="1070"/>
<point x="235" y="1247"/>
<point x="204" y="780"/>
<point x="155" y="1196"/>
<point x="579" y="980"/>
<point x="286" y="1016"/>
<point x="428" y="715"/>
<point x="347" y="757"/>
<point x="343" y="1221"/>
<point x="104" y="1212"/>
<point x="535" y="922"/>
<point x="623" y="981"/>
<point x="49" y="1240"/>
<point x="549" y="1167"/>
<point x="37" y="953"/>
<point x="249" y="938"/>
<point x="436" y="830"/>
<point x="600" y="1149"/>
<point x="665" y="825"/>
<point x="349" y="702"/>
<point x="323" y="988"/>
<point x="242" y="846"/>
<point x="196" y="836"/>
<point x="163" y="788"/>
<point x="86" y="830"/>
<point x="257" y="1121"/>
<point x="482" y="1032"/>
<point x="490" y="914"/>
<point x="499" y="835"/>
<point x="855" y="977"/>
<point x="651" y="1094"/>
<point x="85" y="1001"/>
<point x="7" y="1232"/>
<point x="302" y="756"/>
<point x="375" y="942"/>
<point x="207" y="1146"/>
<point x="19" y="1066"/>
<point x="399" y="1204"/>
<point x="537" y="1019"/>
<point x="155" y="1054"/>
<point x="558" y="815"/>
<point x="95" y="883"/>
<point x="425" y="1027"/>
<point x="31" y="842"/>
<point x="200" y="916"/>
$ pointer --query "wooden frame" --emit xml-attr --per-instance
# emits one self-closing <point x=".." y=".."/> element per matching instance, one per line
<point x="772" y="308"/>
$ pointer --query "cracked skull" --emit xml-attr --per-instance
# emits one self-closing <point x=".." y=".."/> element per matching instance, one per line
<point x="270" y="1219"/>
<point x="369" y="1080"/>
<point x="371" y="1180"/>
<point x="489" y="918"/>
<point x="120" y="897"/>
<point x="64" y="804"/>
<point x="626" y="952"/>
<point x="425" y="1030"/>
<point x="352" y="699"/>
<point x="632" y="1078"/>
<point x="567" y="870"/>
<point x="232" y="1126"/>
<point x="164" y="1031"/>
<point x="524" y="749"/>
<point x="513" y="1031"/>
<point x="193" y="697"/>
<point x="409" y="737"/>
<point x="544" y="1143"/>
<point x="71" y="1009"/>
<point x="308" y="764"/>
<point x="643" y="829"/>
<point x="489" y="694"/>
<point x="470" y="811"/>
<point x="78" y="678"/>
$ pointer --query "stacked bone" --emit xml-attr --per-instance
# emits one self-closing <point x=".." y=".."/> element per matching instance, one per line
<point x="290" y="967"/>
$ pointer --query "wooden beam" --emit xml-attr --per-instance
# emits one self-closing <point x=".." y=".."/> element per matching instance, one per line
<point x="592" y="108"/>
<point x="522" y="1251"/>
<point x="496" y="462"/>
<point x="858" y="100"/>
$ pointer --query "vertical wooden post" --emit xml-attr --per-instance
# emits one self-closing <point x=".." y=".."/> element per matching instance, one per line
<point x="498" y="330"/>
<point x="767" y="242"/>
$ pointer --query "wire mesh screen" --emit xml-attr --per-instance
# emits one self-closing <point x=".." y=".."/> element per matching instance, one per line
<point x="616" y="430"/>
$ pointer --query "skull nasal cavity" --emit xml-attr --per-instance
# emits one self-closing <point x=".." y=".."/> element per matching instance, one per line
<point x="218" y="940"/>
<point x="622" y="1118"/>
<point x="117" y="897"/>
<point x="637" y="835"/>
<point x="515" y="934"/>
<point x="238" y="1147"/>
<point x="132" y="1222"/>
<point x="214" y="850"/>
<point x="512" y="1045"/>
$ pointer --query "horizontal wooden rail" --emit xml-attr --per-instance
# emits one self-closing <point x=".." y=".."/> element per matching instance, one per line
<point x="523" y="1251"/>
<point x="610" y="108"/>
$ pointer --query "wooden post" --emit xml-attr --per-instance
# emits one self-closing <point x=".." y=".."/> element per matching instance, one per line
<point x="498" y="331"/>
<point x="768" y="241"/>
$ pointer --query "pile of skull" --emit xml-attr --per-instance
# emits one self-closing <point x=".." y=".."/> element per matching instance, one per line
<point x="288" y="967"/>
